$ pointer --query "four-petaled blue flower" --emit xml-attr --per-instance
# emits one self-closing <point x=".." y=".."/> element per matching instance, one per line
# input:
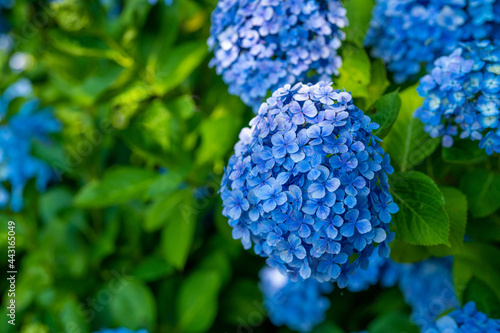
<point x="316" y="186"/>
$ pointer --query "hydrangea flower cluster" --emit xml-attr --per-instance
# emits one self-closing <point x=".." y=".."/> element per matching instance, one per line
<point x="380" y="270"/>
<point x="260" y="46"/>
<point x="466" y="320"/>
<point x="300" y="304"/>
<point x="427" y="287"/>
<point x="17" y="166"/>
<point x="407" y="33"/>
<point x="120" y="330"/>
<point x="308" y="184"/>
<point x="462" y="96"/>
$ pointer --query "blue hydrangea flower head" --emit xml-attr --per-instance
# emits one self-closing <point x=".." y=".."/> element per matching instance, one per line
<point x="262" y="45"/>
<point x="427" y="287"/>
<point x="120" y="330"/>
<point x="308" y="184"/>
<point x="17" y="132"/>
<point x="408" y="33"/>
<point x="465" y="320"/>
<point x="300" y="304"/>
<point x="380" y="270"/>
<point x="462" y="96"/>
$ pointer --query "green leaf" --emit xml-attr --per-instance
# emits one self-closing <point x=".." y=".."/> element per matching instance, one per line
<point x="71" y="315"/>
<point x="178" y="234"/>
<point x="407" y="143"/>
<point x="197" y="301"/>
<point x="456" y="208"/>
<point x="483" y="191"/>
<point x="219" y="132"/>
<point x="354" y="75"/>
<point x="483" y="296"/>
<point x="54" y="201"/>
<point x="386" y="111"/>
<point x="152" y="269"/>
<point x="378" y="83"/>
<point x="422" y="219"/>
<point x="118" y="186"/>
<point x="175" y="66"/>
<point x="165" y="184"/>
<point x="464" y="151"/>
<point x="133" y="306"/>
<point x="128" y="102"/>
<point x="392" y="322"/>
<point x="359" y="13"/>
<point x="163" y="209"/>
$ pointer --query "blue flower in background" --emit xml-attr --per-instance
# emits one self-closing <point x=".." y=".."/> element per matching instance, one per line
<point x="408" y="33"/>
<point x="310" y="193"/>
<point x="465" y="320"/>
<point x="17" y="166"/>
<point x="462" y="96"/>
<point x="380" y="270"/>
<point x="120" y="330"/>
<point x="427" y="287"/>
<point x="260" y="46"/>
<point x="300" y="304"/>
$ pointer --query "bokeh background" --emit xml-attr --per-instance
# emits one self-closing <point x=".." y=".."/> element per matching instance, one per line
<point x="129" y="232"/>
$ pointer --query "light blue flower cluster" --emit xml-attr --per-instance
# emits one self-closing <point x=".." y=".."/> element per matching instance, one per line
<point x="17" y="166"/>
<point x="300" y="304"/>
<point x="120" y="330"/>
<point x="466" y="320"/>
<point x="308" y="184"/>
<point x="408" y="33"/>
<point x="427" y="287"/>
<point x="262" y="45"/>
<point x="380" y="270"/>
<point x="462" y="96"/>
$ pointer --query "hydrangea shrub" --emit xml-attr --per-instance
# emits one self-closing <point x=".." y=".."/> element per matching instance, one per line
<point x="465" y="320"/>
<point x="408" y="33"/>
<point x="260" y="46"/>
<point x="308" y="184"/>
<point x="300" y="304"/>
<point x="462" y="96"/>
